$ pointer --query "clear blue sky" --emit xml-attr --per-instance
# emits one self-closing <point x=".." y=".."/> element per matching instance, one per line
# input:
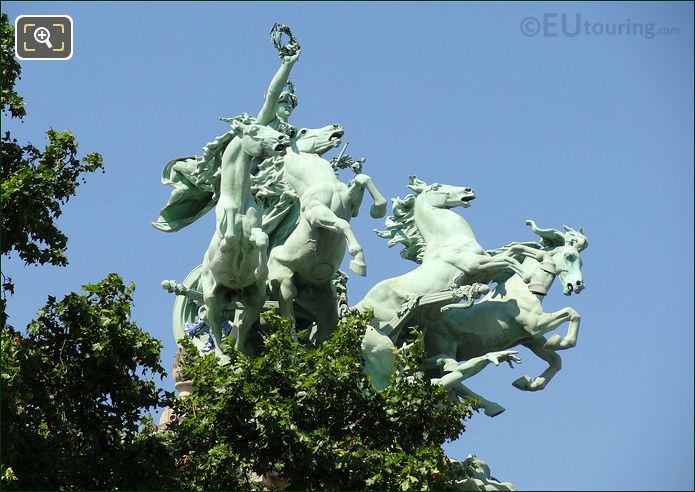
<point x="592" y="130"/>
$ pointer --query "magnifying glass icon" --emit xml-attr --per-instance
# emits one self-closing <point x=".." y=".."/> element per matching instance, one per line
<point x="43" y="35"/>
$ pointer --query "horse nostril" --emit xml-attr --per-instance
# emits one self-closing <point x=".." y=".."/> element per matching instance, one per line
<point x="468" y="190"/>
<point x="579" y="282"/>
<point x="335" y="125"/>
<point x="281" y="138"/>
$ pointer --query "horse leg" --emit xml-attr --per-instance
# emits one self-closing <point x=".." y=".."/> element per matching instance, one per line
<point x="253" y="303"/>
<point x="514" y="265"/>
<point x="549" y="321"/>
<point x="356" y="192"/>
<point x="491" y="408"/>
<point x="283" y="289"/>
<point x="536" y="345"/>
<point x="324" y="304"/>
<point x="378" y="209"/>
<point x="226" y="217"/>
<point x="528" y="252"/>
<point x="214" y="305"/>
<point x="320" y="216"/>
<point x="260" y="241"/>
<point x="499" y="263"/>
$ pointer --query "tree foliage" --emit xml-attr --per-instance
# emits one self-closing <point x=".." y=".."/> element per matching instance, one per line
<point x="9" y="99"/>
<point x="74" y="396"/>
<point x="77" y="386"/>
<point x="74" y="391"/>
<point x="35" y="183"/>
<point x="311" y="417"/>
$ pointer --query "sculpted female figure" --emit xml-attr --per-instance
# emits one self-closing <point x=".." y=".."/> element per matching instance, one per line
<point x="195" y="179"/>
<point x="235" y="265"/>
<point x="279" y="103"/>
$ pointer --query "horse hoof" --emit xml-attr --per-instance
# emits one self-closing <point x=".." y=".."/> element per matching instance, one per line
<point x="480" y="290"/>
<point x="359" y="267"/>
<point x="378" y="210"/>
<point x="538" y="384"/>
<point x="493" y="409"/>
<point x="523" y="383"/>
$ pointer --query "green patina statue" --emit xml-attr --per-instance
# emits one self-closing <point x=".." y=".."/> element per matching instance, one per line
<point x="512" y="313"/>
<point x="509" y="315"/>
<point x="443" y="244"/>
<point x="236" y="262"/>
<point x="282" y="230"/>
<point x="303" y="267"/>
<point x="195" y="179"/>
<point x="290" y="205"/>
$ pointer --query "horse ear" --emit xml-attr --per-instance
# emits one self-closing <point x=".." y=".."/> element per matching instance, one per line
<point x="580" y="230"/>
<point x="416" y="184"/>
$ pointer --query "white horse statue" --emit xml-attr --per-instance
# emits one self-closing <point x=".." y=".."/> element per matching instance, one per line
<point x="309" y="258"/>
<point x="235" y="263"/>
<point x="512" y="313"/>
<point x="442" y="242"/>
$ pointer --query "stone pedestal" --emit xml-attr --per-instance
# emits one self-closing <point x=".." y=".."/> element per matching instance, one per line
<point x="184" y="388"/>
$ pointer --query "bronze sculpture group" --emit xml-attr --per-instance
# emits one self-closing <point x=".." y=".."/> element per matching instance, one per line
<point x="282" y="230"/>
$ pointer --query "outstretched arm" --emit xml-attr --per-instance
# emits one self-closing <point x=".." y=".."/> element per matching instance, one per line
<point x="270" y="105"/>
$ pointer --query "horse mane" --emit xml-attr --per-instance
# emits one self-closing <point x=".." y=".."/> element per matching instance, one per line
<point x="217" y="146"/>
<point x="269" y="181"/>
<point x="401" y="229"/>
<point x="208" y="164"/>
<point x="552" y="238"/>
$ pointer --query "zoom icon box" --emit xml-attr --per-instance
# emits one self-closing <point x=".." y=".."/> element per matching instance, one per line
<point x="43" y="37"/>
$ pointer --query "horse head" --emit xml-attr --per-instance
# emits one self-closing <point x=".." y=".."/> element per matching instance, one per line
<point x="564" y="248"/>
<point x="441" y="195"/>
<point x="260" y="140"/>
<point x="568" y="265"/>
<point x="318" y="140"/>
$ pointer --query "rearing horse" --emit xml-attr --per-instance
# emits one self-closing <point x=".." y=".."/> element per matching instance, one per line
<point x="512" y="313"/>
<point x="441" y="241"/>
<point x="309" y="258"/>
<point x="235" y="263"/>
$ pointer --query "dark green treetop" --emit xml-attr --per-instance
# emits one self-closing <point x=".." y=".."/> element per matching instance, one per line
<point x="311" y="417"/>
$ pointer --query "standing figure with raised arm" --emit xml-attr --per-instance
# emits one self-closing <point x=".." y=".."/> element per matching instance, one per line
<point x="234" y="269"/>
<point x="279" y="103"/>
<point x="195" y="179"/>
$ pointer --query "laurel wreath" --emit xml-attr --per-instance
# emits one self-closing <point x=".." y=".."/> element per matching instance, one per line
<point x="291" y="47"/>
